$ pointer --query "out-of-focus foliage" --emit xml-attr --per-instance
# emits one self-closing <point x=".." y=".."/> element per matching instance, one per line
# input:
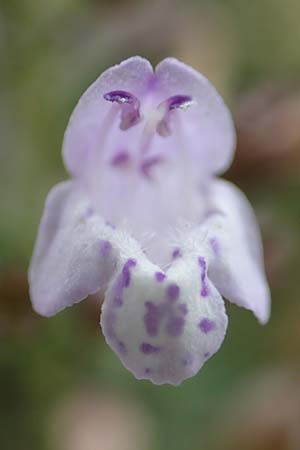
<point x="61" y="387"/>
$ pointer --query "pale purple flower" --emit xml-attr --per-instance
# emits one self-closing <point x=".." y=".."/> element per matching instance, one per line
<point x="145" y="221"/>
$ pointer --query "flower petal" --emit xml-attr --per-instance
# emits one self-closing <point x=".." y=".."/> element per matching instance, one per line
<point x="94" y="117"/>
<point x="206" y="130"/>
<point x="238" y="269"/>
<point x="73" y="256"/>
<point x="163" y="326"/>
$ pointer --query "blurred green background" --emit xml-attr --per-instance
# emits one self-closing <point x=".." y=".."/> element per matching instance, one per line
<point x="61" y="387"/>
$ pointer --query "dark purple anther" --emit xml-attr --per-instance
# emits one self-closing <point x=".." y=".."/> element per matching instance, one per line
<point x="169" y="105"/>
<point x="149" y="349"/>
<point x="179" y="101"/>
<point x="172" y="292"/>
<point x="160" y="276"/>
<point x="121" y="159"/>
<point x="204" y="289"/>
<point x="130" y="105"/>
<point x="206" y="325"/>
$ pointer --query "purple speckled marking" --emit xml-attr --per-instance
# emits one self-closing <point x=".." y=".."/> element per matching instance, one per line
<point x="126" y="271"/>
<point x="206" y="354"/>
<point x="152" y="318"/>
<point x="214" y="243"/>
<point x="176" y="253"/>
<point x="160" y="276"/>
<point x="149" y="349"/>
<point x="121" y="159"/>
<point x="183" y="308"/>
<point x="206" y="325"/>
<point x="123" y="281"/>
<point x="172" y="292"/>
<point x="166" y="312"/>
<point x="175" y="326"/>
<point x="204" y="289"/>
<point x="147" y="370"/>
<point x="105" y="248"/>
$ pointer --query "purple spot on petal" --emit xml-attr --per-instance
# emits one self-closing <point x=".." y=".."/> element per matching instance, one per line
<point x="126" y="272"/>
<point x="120" y="159"/>
<point x="160" y="276"/>
<point x="183" y="308"/>
<point x="175" y="326"/>
<point x="204" y="289"/>
<point x="105" y="248"/>
<point x="149" y="349"/>
<point x="172" y="292"/>
<point x="176" y="253"/>
<point x="123" y="281"/>
<point x="206" y="354"/>
<point x="206" y="325"/>
<point x="152" y="318"/>
<point x="147" y="370"/>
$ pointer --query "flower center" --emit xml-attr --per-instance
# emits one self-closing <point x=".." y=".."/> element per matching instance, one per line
<point x="159" y="118"/>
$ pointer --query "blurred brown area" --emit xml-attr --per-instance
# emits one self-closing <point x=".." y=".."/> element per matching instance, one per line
<point x="264" y="414"/>
<point x="61" y="387"/>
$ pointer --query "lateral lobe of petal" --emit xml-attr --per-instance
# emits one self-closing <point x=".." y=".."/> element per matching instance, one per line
<point x="76" y="252"/>
<point x="237" y="269"/>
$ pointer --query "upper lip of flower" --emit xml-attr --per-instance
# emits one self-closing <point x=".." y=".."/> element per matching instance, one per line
<point x="143" y="149"/>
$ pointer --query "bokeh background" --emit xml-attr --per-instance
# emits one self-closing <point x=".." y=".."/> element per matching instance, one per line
<point x="61" y="387"/>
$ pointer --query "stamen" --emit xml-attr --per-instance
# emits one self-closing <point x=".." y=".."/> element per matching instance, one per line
<point x="130" y="107"/>
<point x="174" y="102"/>
<point x="179" y="101"/>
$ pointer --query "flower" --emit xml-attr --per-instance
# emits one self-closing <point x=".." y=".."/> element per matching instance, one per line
<point x="145" y="221"/>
